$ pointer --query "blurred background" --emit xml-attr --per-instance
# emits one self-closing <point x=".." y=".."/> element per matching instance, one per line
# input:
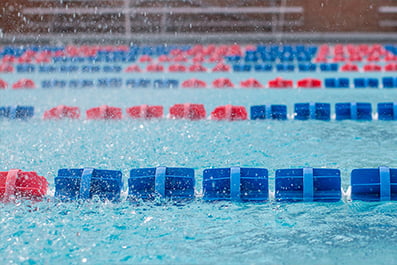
<point x="200" y="21"/>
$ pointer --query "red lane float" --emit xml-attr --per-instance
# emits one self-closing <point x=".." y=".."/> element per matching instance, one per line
<point x="155" y="68"/>
<point x="133" y="68"/>
<point x="104" y="112"/>
<point x="6" y="68"/>
<point x="177" y="68"/>
<point x="215" y="59"/>
<point x="390" y="57"/>
<point x="198" y="59"/>
<point x="349" y="68"/>
<point x="19" y="184"/>
<point x="221" y="67"/>
<point x="193" y="83"/>
<point x="179" y="58"/>
<point x="391" y="67"/>
<point x="197" y="68"/>
<point x="164" y="58"/>
<point x="3" y="84"/>
<point x="222" y="83"/>
<point x="24" y="83"/>
<point x="61" y="112"/>
<point x="309" y="83"/>
<point x="280" y="83"/>
<point x="229" y="113"/>
<point x="188" y="111"/>
<point x="251" y="83"/>
<point x="145" y="59"/>
<point x="145" y="112"/>
<point x="372" y="68"/>
<point x="9" y="59"/>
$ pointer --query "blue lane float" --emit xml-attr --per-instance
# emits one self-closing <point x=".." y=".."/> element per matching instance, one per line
<point x="235" y="184"/>
<point x="84" y="183"/>
<point x="387" y="111"/>
<point x="242" y="67"/>
<point x="17" y="112"/>
<point x="353" y="111"/>
<point x="374" y="184"/>
<point x="312" y="111"/>
<point x="25" y="68"/>
<point x="285" y="67"/>
<point x="308" y="184"/>
<point x="166" y="182"/>
<point x="329" y="67"/>
<point x="389" y="82"/>
<point x="138" y="83"/>
<point x="337" y="82"/>
<point x="165" y="83"/>
<point x="273" y="112"/>
<point x="366" y="83"/>
<point x="263" y="67"/>
<point x="307" y="67"/>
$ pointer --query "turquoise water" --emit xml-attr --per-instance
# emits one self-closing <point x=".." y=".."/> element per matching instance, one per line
<point x="197" y="232"/>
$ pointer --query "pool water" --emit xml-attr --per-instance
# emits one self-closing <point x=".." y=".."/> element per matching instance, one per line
<point x="196" y="232"/>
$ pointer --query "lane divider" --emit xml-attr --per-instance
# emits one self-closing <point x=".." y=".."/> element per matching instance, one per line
<point x="177" y="183"/>
<point x="360" y="111"/>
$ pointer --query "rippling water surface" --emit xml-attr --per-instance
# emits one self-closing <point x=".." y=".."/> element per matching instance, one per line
<point x="196" y="232"/>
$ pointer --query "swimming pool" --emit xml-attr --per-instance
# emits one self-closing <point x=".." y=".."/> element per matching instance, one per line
<point x="196" y="232"/>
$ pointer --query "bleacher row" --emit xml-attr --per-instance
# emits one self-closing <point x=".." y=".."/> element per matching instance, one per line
<point x="219" y="184"/>
<point x="197" y="67"/>
<point x="302" y="111"/>
<point x="117" y="82"/>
